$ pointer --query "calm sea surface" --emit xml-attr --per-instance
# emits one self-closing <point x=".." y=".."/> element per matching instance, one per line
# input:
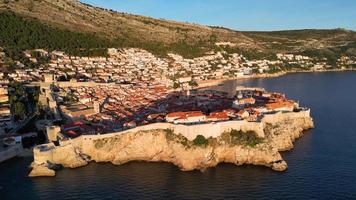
<point x="322" y="165"/>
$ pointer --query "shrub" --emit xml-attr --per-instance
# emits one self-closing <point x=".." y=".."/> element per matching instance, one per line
<point x="99" y="143"/>
<point x="249" y="138"/>
<point x="107" y="143"/>
<point x="169" y="134"/>
<point x="200" y="141"/>
<point x="226" y="137"/>
<point x="235" y="137"/>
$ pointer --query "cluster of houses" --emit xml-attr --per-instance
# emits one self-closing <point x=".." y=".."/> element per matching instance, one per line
<point x="250" y="104"/>
<point x="132" y="65"/>
<point x="212" y="66"/>
<point x="196" y="117"/>
<point x="126" y="65"/>
<point x="5" y="112"/>
<point x="113" y="106"/>
<point x="109" y="108"/>
<point x="346" y="61"/>
<point x="308" y="63"/>
<point x="120" y="106"/>
<point x="131" y="87"/>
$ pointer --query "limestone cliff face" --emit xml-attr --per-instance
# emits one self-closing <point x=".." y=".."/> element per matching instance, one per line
<point x="282" y="134"/>
<point x="167" y="146"/>
<point x="155" y="146"/>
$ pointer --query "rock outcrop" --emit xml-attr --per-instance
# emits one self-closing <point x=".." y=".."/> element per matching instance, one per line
<point x="237" y="147"/>
<point x="41" y="170"/>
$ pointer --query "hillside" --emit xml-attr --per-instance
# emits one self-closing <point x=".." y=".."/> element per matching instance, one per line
<point x="127" y="28"/>
<point x="160" y="36"/>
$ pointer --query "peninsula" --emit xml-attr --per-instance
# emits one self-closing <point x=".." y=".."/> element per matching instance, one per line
<point x="252" y="129"/>
<point x="142" y="93"/>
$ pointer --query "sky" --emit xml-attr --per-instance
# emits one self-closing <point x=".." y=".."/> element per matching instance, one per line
<point x="244" y="15"/>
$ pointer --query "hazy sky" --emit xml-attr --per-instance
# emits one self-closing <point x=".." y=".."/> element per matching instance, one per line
<point x="244" y="14"/>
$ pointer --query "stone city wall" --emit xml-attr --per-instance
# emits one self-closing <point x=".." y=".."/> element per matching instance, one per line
<point x="280" y="116"/>
<point x="189" y="131"/>
<point x="207" y="130"/>
<point x="43" y="153"/>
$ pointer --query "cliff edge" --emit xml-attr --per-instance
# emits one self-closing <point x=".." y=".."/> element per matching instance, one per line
<point x="165" y="145"/>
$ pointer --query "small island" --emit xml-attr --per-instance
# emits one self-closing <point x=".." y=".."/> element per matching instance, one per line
<point x="250" y="127"/>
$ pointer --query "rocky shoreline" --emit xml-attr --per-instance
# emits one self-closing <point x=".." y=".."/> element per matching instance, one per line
<point x="163" y="145"/>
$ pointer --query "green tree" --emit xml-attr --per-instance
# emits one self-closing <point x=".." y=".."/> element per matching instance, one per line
<point x="19" y="110"/>
<point x="200" y="140"/>
<point x="175" y="85"/>
<point x="193" y="83"/>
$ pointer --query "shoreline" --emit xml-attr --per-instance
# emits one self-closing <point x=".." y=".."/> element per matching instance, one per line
<point x="216" y="82"/>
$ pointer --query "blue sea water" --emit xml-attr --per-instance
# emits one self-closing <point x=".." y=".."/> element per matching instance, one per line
<point x="321" y="166"/>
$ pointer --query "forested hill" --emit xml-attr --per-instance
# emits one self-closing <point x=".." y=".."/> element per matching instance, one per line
<point x="81" y="29"/>
<point x="16" y="33"/>
<point x="19" y="33"/>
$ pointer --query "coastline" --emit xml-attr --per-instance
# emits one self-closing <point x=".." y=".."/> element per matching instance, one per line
<point x="210" y="83"/>
<point x="78" y="155"/>
<point x="279" y="131"/>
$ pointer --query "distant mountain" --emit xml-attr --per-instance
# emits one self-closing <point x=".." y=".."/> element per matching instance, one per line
<point x="160" y="36"/>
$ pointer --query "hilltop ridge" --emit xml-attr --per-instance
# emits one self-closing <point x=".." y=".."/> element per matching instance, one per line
<point x="129" y="30"/>
<point x="73" y="15"/>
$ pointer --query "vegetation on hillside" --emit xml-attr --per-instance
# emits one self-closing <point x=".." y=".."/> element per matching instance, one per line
<point x="200" y="140"/>
<point x="328" y="43"/>
<point x="106" y="143"/>
<point x="178" y="138"/>
<point x="18" y="100"/>
<point x="18" y="55"/>
<point x="236" y="137"/>
<point x="23" y="100"/>
<point x="251" y="54"/>
<point x="18" y="34"/>
<point x="84" y="30"/>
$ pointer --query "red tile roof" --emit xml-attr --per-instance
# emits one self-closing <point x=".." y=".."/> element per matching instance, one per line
<point x="194" y="114"/>
<point x="248" y="100"/>
<point x="218" y="115"/>
<point x="176" y="114"/>
<point x="276" y="105"/>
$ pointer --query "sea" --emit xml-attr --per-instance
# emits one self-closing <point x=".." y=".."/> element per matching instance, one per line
<point x="321" y="166"/>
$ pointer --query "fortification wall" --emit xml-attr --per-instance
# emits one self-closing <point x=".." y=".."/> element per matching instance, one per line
<point x="43" y="153"/>
<point x="69" y="84"/>
<point x="216" y="129"/>
<point x="82" y="84"/>
<point x="207" y="130"/>
<point x="280" y="116"/>
<point x="189" y="131"/>
<point x="153" y="147"/>
<point x="76" y="142"/>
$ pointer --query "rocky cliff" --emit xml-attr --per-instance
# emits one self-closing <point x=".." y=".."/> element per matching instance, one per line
<point x="163" y="145"/>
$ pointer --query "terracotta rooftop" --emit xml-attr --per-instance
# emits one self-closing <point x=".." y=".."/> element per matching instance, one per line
<point x="218" y="115"/>
<point x="276" y="105"/>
